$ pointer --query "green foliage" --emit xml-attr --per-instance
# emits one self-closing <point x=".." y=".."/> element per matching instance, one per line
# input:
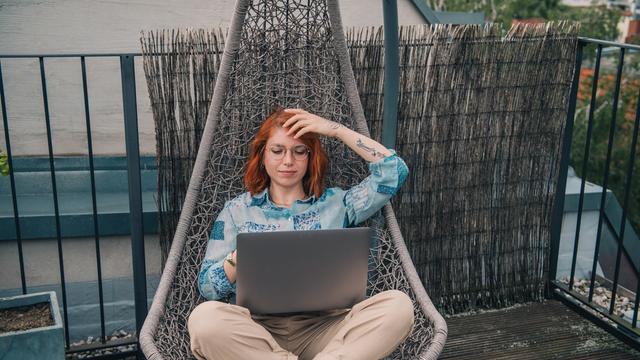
<point x="596" y="22"/>
<point x="503" y="11"/>
<point x="4" y="164"/>
<point x="528" y="9"/>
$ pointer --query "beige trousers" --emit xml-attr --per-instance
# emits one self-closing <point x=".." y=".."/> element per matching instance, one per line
<point x="372" y="329"/>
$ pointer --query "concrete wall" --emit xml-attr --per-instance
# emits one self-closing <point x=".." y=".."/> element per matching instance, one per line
<point x="42" y="266"/>
<point x="25" y="108"/>
<point x="586" y="245"/>
<point x="80" y="26"/>
<point x="71" y="26"/>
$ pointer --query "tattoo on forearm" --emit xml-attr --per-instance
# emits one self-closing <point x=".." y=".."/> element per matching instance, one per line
<point x="371" y="150"/>
<point x="334" y="125"/>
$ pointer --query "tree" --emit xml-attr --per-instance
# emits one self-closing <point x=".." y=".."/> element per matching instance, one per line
<point x="597" y="22"/>
<point x="501" y="11"/>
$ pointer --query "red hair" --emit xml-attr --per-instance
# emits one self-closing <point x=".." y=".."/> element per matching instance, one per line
<point x="256" y="178"/>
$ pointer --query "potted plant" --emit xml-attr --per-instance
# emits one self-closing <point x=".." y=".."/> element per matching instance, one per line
<point x="31" y="327"/>
<point x="4" y="164"/>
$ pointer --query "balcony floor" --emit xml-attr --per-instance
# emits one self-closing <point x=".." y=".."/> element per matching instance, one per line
<point x="548" y="330"/>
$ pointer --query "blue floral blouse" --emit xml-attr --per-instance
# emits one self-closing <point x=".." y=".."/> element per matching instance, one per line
<point x="335" y="209"/>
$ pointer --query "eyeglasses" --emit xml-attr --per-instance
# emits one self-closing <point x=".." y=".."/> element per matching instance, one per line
<point x="300" y="152"/>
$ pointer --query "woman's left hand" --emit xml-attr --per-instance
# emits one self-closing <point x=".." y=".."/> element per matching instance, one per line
<point x="303" y="122"/>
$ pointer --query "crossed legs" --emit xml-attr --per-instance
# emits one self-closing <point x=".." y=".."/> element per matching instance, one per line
<point x="372" y="329"/>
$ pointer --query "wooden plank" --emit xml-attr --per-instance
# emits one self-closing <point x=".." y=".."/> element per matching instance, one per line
<point x="548" y="330"/>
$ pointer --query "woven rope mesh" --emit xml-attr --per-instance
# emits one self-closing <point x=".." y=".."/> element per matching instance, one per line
<point x="286" y="61"/>
<point x="480" y="123"/>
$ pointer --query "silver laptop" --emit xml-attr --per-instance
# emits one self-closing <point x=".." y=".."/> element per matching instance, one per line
<point x="302" y="271"/>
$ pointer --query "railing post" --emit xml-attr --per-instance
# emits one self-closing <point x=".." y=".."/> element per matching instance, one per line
<point x="14" y="194"/>
<point x="605" y="180"/>
<point x="585" y="163"/>
<point x="391" y="74"/>
<point x="94" y="203"/>
<point x="129" y="106"/>
<point x="561" y="185"/>
<point x="56" y="204"/>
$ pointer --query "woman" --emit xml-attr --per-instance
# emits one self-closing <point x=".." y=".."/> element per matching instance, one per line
<point x="284" y="178"/>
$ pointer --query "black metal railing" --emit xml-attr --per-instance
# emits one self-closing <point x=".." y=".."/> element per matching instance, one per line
<point x="130" y="117"/>
<point x="604" y="316"/>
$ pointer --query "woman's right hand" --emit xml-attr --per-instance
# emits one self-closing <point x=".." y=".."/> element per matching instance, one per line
<point x="303" y="122"/>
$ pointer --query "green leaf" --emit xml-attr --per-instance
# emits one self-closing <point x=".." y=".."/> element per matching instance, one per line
<point x="4" y="164"/>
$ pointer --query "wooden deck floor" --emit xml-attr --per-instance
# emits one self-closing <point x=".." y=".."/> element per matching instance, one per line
<point x="548" y="330"/>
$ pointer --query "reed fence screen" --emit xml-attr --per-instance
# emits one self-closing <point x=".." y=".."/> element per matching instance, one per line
<point x="480" y="124"/>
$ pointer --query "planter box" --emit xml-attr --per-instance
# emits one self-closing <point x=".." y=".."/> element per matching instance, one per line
<point x="37" y="343"/>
